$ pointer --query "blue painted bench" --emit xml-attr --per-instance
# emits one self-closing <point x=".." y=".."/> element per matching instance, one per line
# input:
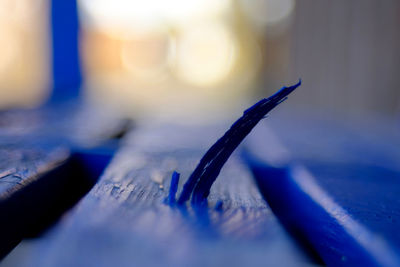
<point x="326" y="194"/>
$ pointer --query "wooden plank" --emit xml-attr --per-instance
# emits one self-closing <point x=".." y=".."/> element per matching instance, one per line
<point x="124" y="221"/>
<point x="44" y="168"/>
<point x="342" y="181"/>
<point x="21" y="165"/>
<point x="32" y="141"/>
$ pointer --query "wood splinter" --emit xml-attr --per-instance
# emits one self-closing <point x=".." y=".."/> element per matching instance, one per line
<point x="204" y="175"/>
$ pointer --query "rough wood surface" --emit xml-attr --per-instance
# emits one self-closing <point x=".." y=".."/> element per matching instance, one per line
<point x="33" y="141"/>
<point x="123" y="221"/>
<point x="21" y="165"/>
<point x="39" y="165"/>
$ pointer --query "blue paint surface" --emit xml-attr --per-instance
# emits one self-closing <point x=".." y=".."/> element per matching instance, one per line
<point x="342" y="199"/>
<point x="94" y="160"/>
<point x="370" y="193"/>
<point x="219" y="206"/>
<point x="306" y="219"/>
<point x="66" y="70"/>
<point x="173" y="188"/>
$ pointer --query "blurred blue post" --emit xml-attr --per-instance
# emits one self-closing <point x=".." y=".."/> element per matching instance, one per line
<point x="66" y="71"/>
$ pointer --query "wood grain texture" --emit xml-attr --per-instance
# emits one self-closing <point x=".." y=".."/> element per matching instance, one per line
<point x="21" y="168"/>
<point x="123" y="221"/>
<point x="21" y="165"/>
<point x="40" y="160"/>
<point x="33" y="141"/>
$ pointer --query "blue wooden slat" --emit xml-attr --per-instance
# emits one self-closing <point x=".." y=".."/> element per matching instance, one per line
<point x="46" y="164"/>
<point x="124" y="220"/>
<point x="348" y="212"/>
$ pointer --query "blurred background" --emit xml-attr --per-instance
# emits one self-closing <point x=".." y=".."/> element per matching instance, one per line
<point x="201" y="58"/>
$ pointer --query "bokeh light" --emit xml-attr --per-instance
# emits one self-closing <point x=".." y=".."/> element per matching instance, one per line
<point x="139" y="16"/>
<point x="205" y="54"/>
<point x="152" y="56"/>
<point x="146" y="57"/>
